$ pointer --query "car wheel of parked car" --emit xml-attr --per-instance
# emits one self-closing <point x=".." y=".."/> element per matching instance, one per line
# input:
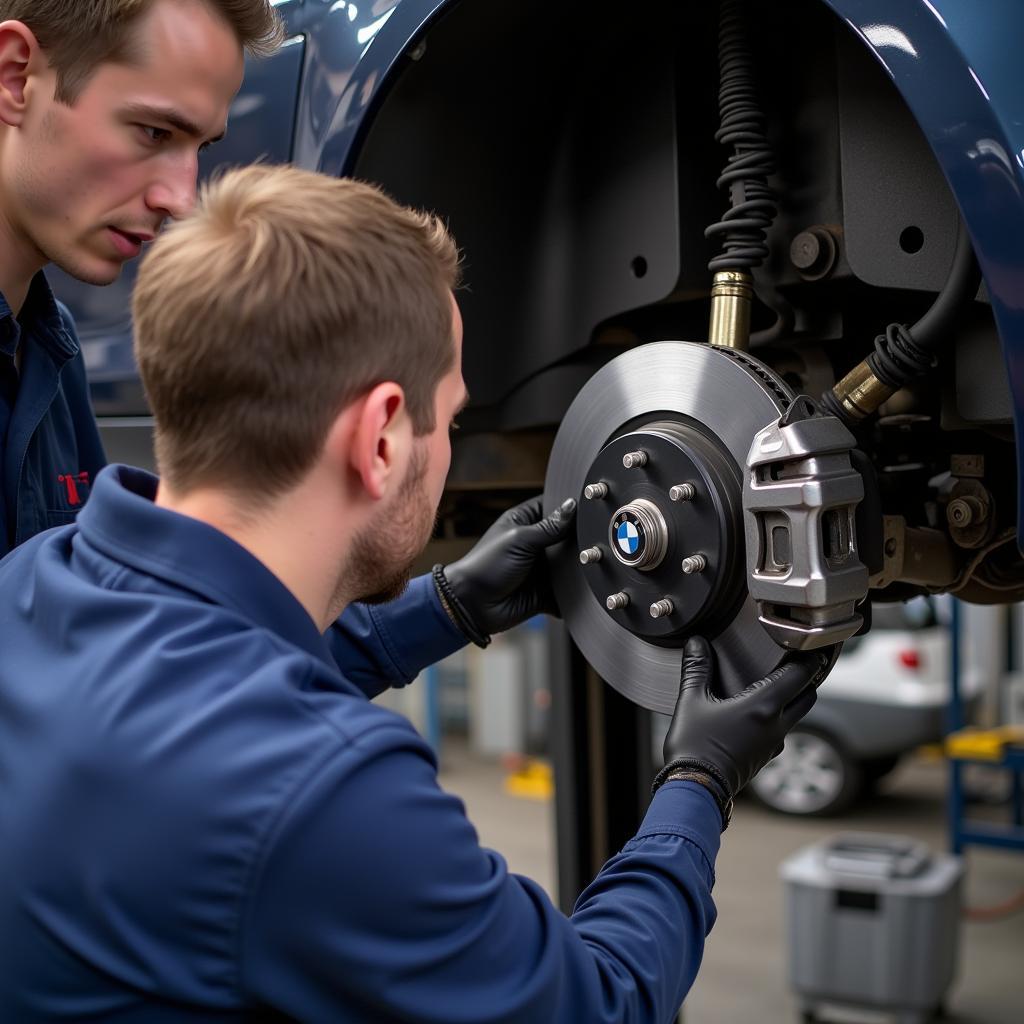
<point x="812" y="776"/>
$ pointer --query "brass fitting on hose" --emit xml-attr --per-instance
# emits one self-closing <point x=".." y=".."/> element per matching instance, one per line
<point x="860" y="392"/>
<point x="732" y="295"/>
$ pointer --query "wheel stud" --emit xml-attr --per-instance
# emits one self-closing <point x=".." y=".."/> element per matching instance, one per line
<point x="592" y="491"/>
<point x="588" y="555"/>
<point x="661" y="608"/>
<point x="633" y="459"/>
<point x="615" y="601"/>
<point x="682" y="492"/>
<point x="694" y="563"/>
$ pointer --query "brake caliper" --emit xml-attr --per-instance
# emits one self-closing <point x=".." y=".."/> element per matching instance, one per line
<point x="799" y="501"/>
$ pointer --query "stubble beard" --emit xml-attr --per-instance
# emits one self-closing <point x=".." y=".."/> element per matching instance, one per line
<point x="383" y="556"/>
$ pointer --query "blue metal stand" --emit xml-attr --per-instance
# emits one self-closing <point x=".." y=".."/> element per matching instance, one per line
<point x="964" y="831"/>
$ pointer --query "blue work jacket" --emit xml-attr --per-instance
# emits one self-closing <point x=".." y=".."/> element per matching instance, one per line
<point x="202" y="819"/>
<point x="50" y="449"/>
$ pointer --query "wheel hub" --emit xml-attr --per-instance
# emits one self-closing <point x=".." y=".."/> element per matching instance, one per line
<point x="652" y="449"/>
<point x="668" y="526"/>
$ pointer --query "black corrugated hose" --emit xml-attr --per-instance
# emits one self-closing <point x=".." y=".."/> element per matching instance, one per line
<point x="743" y="227"/>
<point x="904" y="353"/>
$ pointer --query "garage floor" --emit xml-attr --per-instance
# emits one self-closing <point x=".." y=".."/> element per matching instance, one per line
<point x="744" y="974"/>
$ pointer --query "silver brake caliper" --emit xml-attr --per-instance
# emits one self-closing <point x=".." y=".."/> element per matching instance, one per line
<point x="799" y="498"/>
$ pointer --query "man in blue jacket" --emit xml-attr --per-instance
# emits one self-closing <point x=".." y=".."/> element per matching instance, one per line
<point x="104" y="107"/>
<point x="203" y="819"/>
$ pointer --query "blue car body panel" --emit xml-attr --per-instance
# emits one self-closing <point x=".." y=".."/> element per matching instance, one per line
<point x="956" y="67"/>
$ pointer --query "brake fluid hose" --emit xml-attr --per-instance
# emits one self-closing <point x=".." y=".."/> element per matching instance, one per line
<point x="904" y="353"/>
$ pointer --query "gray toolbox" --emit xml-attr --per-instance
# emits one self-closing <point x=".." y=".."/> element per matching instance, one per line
<point x="873" y="922"/>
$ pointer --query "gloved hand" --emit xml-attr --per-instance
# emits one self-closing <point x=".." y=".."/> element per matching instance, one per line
<point x="727" y="741"/>
<point x="503" y="580"/>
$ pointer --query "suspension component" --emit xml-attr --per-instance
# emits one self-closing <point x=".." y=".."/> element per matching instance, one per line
<point x="970" y="513"/>
<point x="916" y="555"/>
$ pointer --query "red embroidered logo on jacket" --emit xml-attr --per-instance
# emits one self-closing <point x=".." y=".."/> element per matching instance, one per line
<point x="72" y="482"/>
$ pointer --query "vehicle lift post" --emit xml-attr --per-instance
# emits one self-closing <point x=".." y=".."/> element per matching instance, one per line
<point x="998" y="748"/>
<point x="603" y="767"/>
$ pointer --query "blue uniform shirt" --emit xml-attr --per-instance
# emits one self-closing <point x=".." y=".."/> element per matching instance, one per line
<point x="50" y="449"/>
<point x="202" y="819"/>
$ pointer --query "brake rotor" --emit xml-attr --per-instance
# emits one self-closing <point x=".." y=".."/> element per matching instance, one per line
<point x="654" y="449"/>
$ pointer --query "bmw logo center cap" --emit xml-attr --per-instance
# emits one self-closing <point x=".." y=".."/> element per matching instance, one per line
<point x="630" y="537"/>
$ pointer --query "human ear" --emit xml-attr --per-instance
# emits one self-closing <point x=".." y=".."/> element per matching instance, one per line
<point x="381" y="439"/>
<point x="19" y="51"/>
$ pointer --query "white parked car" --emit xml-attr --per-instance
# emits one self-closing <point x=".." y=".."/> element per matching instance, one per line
<point x="887" y="695"/>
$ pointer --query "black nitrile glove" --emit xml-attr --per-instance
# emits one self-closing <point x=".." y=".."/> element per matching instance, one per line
<point x="503" y="580"/>
<point x="730" y="739"/>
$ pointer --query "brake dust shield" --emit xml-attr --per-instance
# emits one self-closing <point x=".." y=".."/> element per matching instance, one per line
<point x="658" y="439"/>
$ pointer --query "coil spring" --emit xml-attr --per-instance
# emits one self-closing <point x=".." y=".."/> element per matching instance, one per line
<point x="743" y="227"/>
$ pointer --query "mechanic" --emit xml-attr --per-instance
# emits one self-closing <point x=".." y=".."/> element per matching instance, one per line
<point x="203" y="818"/>
<point x="104" y="106"/>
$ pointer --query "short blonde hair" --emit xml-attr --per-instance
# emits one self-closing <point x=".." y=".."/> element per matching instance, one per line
<point x="79" y="35"/>
<point x="282" y="299"/>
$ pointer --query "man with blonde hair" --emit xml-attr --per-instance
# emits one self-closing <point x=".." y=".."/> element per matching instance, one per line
<point x="202" y="817"/>
<point x="104" y="107"/>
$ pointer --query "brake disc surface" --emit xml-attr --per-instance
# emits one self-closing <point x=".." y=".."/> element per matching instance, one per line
<point x="663" y="413"/>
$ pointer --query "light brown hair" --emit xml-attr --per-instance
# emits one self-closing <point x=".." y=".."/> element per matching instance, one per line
<point x="281" y="300"/>
<point x="79" y="35"/>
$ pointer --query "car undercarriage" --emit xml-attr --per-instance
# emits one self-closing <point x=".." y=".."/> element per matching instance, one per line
<point x="717" y="241"/>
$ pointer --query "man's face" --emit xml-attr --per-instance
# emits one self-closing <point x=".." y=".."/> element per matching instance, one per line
<point x="384" y="556"/>
<point x="85" y="185"/>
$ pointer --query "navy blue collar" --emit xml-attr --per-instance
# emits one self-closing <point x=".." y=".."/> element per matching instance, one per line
<point x="40" y="315"/>
<point x="121" y="520"/>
